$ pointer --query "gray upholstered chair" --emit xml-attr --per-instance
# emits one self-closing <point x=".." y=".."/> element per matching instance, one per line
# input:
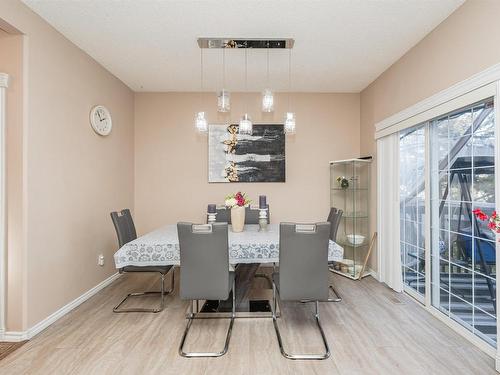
<point x="205" y="272"/>
<point x="334" y="219"/>
<point x="303" y="273"/>
<point x="125" y="231"/>
<point x="251" y="215"/>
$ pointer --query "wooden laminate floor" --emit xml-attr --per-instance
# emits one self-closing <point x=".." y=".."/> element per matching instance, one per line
<point x="7" y="348"/>
<point x="372" y="331"/>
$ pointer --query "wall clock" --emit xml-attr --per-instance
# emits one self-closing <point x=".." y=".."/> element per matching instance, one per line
<point x="100" y="119"/>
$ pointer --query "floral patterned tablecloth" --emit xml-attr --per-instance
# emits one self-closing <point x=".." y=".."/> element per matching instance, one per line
<point x="161" y="247"/>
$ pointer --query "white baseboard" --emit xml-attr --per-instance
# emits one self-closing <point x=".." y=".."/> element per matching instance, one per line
<point x="374" y="274"/>
<point x="16" y="336"/>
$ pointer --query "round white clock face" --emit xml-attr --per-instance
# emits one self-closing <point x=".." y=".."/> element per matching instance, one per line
<point x="100" y="119"/>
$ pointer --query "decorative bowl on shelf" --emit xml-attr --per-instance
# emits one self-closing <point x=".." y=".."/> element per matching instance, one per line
<point x="355" y="239"/>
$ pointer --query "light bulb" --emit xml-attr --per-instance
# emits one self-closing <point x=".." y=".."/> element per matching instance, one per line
<point x="223" y="101"/>
<point x="245" y="125"/>
<point x="267" y="101"/>
<point x="201" y="122"/>
<point x="290" y="123"/>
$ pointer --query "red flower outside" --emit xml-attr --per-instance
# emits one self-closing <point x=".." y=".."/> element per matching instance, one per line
<point x="493" y="220"/>
<point x="480" y="214"/>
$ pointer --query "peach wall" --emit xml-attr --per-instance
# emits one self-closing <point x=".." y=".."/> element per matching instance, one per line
<point x="73" y="178"/>
<point x="171" y="171"/>
<point x="11" y="61"/>
<point x="461" y="46"/>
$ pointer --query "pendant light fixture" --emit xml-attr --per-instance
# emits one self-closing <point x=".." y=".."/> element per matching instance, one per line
<point x="223" y="96"/>
<point x="267" y="99"/>
<point x="267" y="94"/>
<point x="201" y="123"/>
<point x="289" y="125"/>
<point x="246" y="126"/>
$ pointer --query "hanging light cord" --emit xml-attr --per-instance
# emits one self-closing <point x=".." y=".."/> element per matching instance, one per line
<point x="289" y="76"/>
<point x="267" y="64"/>
<point x="223" y="68"/>
<point x="201" y="75"/>
<point x="246" y="69"/>
<point x="246" y="74"/>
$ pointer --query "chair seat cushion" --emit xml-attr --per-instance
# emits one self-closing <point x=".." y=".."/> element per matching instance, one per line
<point x="161" y="269"/>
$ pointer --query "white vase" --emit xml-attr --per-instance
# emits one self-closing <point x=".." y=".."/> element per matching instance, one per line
<point x="238" y="218"/>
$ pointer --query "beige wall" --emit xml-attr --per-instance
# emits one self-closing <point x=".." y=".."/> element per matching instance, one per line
<point x="11" y="61"/>
<point x="462" y="45"/>
<point x="171" y="158"/>
<point x="72" y="178"/>
<point x="65" y="179"/>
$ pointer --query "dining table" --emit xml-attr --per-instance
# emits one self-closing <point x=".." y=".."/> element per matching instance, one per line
<point x="161" y="247"/>
<point x="248" y="251"/>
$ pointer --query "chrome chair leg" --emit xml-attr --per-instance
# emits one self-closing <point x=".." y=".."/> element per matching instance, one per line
<point x="300" y="356"/>
<point x="265" y="276"/>
<point x="337" y="295"/>
<point x="193" y="316"/>
<point x="162" y="294"/>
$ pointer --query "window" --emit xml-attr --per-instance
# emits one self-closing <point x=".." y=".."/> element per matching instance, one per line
<point x="441" y="154"/>
<point x="462" y="178"/>
<point x="412" y="208"/>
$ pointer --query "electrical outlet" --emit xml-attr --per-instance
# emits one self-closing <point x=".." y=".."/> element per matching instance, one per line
<point x="100" y="260"/>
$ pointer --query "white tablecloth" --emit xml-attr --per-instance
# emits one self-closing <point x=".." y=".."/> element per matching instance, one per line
<point x="161" y="247"/>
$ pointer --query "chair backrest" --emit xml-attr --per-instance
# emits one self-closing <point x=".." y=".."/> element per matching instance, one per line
<point x="251" y="215"/>
<point x="223" y="215"/>
<point x="204" y="256"/>
<point x="124" y="226"/>
<point x="303" y="265"/>
<point x="334" y="219"/>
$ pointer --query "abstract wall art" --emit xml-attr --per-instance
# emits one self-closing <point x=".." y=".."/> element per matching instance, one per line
<point x="234" y="157"/>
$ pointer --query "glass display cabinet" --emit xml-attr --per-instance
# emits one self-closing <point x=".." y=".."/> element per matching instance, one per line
<point x="350" y="192"/>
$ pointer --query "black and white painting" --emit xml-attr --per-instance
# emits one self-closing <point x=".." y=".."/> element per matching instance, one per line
<point x="233" y="157"/>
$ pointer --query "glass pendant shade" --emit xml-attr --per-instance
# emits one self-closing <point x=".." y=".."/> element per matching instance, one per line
<point x="201" y="122"/>
<point x="267" y="101"/>
<point x="245" y="125"/>
<point x="223" y="101"/>
<point x="290" y="123"/>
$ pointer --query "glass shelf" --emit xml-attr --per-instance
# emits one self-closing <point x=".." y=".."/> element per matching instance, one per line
<point x="354" y="202"/>
<point x="348" y="244"/>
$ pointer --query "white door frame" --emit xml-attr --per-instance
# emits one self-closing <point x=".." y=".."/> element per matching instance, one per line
<point x="4" y="83"/>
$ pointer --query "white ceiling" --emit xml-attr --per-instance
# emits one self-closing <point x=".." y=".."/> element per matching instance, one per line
<point x="341" y="45"/>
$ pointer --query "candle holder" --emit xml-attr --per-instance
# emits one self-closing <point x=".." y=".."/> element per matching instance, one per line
<point x="262" y="219"/>
<point x="211" y="217"/>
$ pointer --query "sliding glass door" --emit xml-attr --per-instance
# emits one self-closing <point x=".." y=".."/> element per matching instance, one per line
<point x="462" y="179"/>
<point x="461" y="277"/>
<point x="412" y="209"/>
